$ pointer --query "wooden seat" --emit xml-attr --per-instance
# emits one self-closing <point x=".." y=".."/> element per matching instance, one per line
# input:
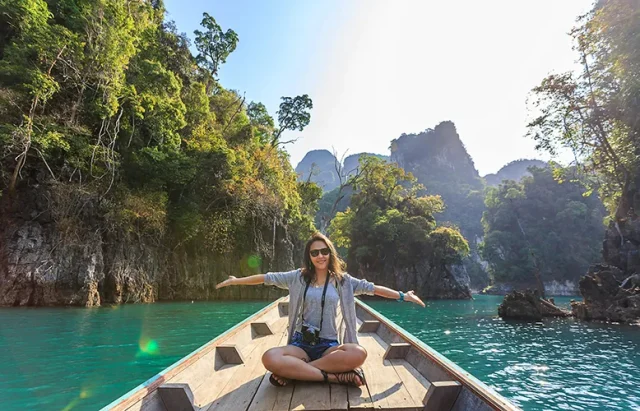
<point x="177" y="397"/>
<point x="392" y="384"/>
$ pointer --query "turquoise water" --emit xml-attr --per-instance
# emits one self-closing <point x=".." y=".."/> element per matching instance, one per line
<point x="81" y="359"/>
<point x="557" y="364"/>
<point x="84" y="358"/>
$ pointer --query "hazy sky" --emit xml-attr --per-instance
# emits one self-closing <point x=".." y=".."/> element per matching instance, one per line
<point x="378" y="68"/>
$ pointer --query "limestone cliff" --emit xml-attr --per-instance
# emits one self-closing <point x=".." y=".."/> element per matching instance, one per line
<point x="429" y="282"/>
<point x="320" y="167"/>
<point x="439" y="160"/>
<point x="47" y="261"/>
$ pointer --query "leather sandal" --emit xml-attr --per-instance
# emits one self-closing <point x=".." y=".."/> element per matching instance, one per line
<point x="274" y="381"/>
<point x="349" y="377"/>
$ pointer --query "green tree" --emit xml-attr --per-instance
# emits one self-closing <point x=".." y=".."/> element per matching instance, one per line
<point x="214" y="45"/>
<point x="293" y="115"/>
<point x="596" y="113"/>
<point x="130" y="119"/>
<point x="540" y="226"/>
<point x="389" y="223"/>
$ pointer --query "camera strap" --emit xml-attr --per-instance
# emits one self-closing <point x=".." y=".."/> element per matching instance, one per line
<point x="324" y="293"/>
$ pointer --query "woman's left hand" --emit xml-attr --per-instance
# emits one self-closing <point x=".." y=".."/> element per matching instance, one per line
<point x="412" y="297"/>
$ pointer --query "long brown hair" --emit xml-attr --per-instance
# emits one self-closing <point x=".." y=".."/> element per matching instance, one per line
<point x="336" y="265"/>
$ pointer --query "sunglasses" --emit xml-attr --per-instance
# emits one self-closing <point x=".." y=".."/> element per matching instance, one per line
<point x="324" y="251"/>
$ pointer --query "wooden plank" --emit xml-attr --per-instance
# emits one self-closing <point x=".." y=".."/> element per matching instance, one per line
<point x="268" y="397"/>
<point x="416" y="384"/>
<point x="396" y="351"/>
<point x="241" y="388"/>
<point x="311" y="396"/>
<point x="176" y="397"/>
<point x="151" y="402"/>
<point x="230" y="354"/>
<point x="339" y="397"/>
<point x="469" y="401"/>
<point x="197" y="373"/>
<point x="369" y="326"/>
<point x="213" y="384"/>
<point x="385" y="385"/>
<point x="431" y="370"/>
<point x="442" y="395"/>
<point x="359" y="397"/>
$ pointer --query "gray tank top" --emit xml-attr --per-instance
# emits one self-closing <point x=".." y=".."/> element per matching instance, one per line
<point x="313" y="306"/>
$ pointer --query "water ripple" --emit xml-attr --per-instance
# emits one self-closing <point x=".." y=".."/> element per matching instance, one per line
<point x="556" y="364"/>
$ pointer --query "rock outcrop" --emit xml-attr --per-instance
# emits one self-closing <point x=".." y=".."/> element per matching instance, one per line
<point x="608" y="296"/>
<point x="439" y="160"/>
<point x="46" y="260"/>
<point x="320" y="167"/>
<point x="429" y="282"/>
<point x="527" y="305"/>
<point x="621" y="245"/>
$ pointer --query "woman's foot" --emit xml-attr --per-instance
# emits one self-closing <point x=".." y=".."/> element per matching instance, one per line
<point x="278" y="381"/>
<point x="354" y="377"/>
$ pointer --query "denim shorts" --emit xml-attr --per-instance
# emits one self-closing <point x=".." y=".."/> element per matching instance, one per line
<point x="313" y="351"/>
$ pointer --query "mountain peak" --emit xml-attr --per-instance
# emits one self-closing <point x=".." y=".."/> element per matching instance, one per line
<point x="514" y="170"/>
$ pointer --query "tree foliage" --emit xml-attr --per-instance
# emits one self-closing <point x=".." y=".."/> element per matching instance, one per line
<point x="214" y="45"/>
<point x="596" y="113"/>
<point x="540" y="224"/>
<point x="293" y="115"/>
<point x="105" y="97"/>
<point x="389" y="223"/>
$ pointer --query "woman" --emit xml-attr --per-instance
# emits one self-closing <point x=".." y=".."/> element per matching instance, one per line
<point x="320" y="348"/>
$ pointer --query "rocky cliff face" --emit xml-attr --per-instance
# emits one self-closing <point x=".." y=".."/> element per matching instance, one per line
<point x="320" y="167"/>
<point x="352" y="162"/>
<point x="429" y="282"/>
<point x="611" y="290"/>
<point x="621" y="245"/>
<point x="48" y="261"/>
<point x="609" y="295"/>
<point x="439" y="160"/>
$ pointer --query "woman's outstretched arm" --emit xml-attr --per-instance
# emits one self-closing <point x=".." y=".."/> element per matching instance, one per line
<point x="389" y="293"/>
<point x="251" y="280"/>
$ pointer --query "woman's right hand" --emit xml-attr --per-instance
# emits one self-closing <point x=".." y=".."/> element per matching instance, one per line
<point x="228" y="281"/>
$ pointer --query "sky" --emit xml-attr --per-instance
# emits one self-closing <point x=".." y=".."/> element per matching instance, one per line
<point x="378" y="68"/>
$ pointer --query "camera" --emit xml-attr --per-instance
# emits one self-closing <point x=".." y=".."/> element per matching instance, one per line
<point x="310" y="334"/>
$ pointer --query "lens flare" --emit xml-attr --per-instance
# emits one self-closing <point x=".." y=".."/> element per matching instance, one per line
<point x="254" y="261"/>
<point x="84" y="394"/>
<point x="148" y="347"/>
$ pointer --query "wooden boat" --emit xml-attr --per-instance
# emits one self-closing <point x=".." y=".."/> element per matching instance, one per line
<point x="227" y="374"/>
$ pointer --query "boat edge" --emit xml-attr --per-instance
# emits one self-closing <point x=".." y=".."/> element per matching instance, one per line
<point x="479" y="388"/>
<point x="162" y="373"/>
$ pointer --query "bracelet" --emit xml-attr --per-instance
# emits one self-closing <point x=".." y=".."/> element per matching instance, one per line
<point x="401" y="299"/>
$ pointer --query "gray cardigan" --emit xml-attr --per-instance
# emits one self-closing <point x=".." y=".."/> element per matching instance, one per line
<point x="347" y="289"/>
